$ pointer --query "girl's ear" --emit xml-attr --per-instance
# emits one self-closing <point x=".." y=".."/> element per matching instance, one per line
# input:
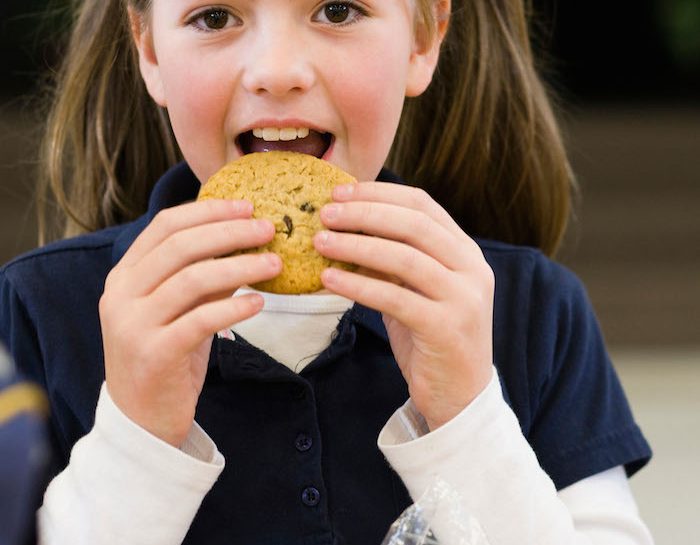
<point x="426" y="52"/>
<point x="142" y="34"/>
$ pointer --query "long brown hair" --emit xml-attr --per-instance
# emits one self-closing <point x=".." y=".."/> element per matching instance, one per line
<point x="106" y="142"/>
<point x="482" y="140"/>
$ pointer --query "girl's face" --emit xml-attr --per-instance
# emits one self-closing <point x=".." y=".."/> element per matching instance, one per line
<point x="326" y="78"/>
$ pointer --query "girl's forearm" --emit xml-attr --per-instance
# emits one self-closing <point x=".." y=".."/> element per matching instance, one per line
<point x="484" y="456"/>
<point x="121" y="483"/>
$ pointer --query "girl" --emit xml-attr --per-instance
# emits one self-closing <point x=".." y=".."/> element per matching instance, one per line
<point x="474" y="360"/>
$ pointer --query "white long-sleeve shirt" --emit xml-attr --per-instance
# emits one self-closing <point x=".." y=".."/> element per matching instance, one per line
<point x="125" y="486"/>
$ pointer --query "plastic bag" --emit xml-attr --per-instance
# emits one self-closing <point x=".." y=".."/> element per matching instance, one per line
<point x="437" y="518"/>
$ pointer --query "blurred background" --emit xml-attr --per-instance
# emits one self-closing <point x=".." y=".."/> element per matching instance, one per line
<point x="627" y="74"/>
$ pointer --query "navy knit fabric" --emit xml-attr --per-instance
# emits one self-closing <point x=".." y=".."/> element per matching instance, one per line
<point x="302" y="465"/>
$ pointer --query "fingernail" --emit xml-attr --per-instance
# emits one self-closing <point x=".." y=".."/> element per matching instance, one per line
<point x="343" y="191"/>
<point x="262" y="226"/>
<point x="330" y="211"/>
<point x="242" y="207"/>
<point x="273" y="260"/>
<point x="329" y="276"/>
<point x="256" y="301"/>
<point x="323" y="238"/>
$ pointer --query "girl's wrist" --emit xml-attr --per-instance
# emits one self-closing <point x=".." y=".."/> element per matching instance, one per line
<point x="452" y="410"/>
<point x="173" y="433"/>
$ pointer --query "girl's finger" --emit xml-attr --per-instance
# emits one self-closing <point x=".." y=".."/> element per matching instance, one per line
<point x="390" y="221"/>
<point x="206" y="281"/>
<point x="400" y="195"/>
<point x="181" y="217"/>
<point x="188" y="332"/>
<point x="419" y="271"/>
<point x="198" y="243"/>
<point x="410" y="308"/>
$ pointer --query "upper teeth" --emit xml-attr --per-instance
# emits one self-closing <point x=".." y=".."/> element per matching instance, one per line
<point x="273" y="134"/>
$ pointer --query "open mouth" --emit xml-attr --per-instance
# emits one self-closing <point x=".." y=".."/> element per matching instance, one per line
<point x="302" y="140"/>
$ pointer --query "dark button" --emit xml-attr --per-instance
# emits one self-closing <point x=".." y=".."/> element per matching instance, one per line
<point x="311" y="496"/>
<point x="303" y="442"/>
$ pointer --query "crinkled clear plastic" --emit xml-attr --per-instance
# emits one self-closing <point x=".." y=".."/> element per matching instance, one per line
<point x="437" y="518"/>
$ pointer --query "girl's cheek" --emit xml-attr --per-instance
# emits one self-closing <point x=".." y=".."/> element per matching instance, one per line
<point x="370" y="97"/>
<point x="200" y="98"/>
<point x="197" y="107"/>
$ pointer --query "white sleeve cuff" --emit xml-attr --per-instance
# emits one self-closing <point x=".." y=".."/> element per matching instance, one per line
<point x="124" y="485"/>
<point x="484" y="456"/>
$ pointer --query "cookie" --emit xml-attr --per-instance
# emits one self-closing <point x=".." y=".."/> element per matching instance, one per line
<point x="289" y="189"/>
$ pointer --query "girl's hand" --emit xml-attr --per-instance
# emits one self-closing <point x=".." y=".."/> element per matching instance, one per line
<point x="429" y="280"/>
<point x="167" y="297"/>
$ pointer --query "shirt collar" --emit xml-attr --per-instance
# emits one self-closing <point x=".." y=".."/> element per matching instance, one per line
<point x="179" y="185"/>
<point x="370" y="319"/>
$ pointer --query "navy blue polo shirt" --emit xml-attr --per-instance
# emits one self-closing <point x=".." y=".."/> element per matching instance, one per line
<point x="302" y="465"/>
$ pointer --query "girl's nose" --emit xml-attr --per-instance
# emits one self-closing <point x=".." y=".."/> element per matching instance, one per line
<point x="278" y="63"/>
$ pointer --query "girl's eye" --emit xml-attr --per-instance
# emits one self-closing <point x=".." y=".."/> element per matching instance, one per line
<point x="216" y="20"/>
<point x="212" y="20"/>
<point x="339" y="13"/>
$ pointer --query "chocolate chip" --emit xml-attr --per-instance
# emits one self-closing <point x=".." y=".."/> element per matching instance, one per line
<point x="307" y="207"/>
<point x="290" y="226"/>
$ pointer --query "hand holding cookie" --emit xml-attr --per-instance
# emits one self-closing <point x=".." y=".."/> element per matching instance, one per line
<point x="165" y="300"/>
<point x="430" y="281"/>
